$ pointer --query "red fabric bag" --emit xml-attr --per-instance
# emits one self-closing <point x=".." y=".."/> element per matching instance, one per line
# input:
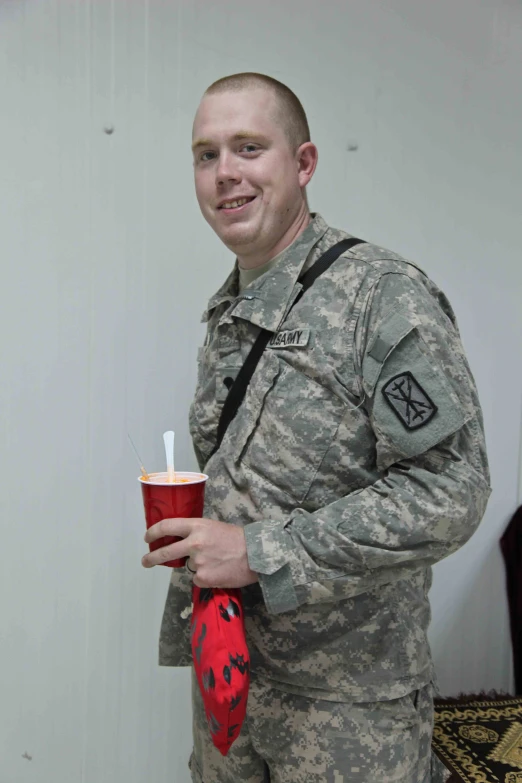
<point x="221" y="661"/>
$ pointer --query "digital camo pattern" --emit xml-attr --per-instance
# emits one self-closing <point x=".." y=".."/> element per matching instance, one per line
<point x="345" y="508"/>
<point x="316" y="740"/>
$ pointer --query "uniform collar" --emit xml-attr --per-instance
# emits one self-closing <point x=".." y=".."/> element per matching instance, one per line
<point x="226" y="293"/>
<point x="266" y="300"/>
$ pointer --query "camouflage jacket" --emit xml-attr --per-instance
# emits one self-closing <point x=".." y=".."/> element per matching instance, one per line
<point x="356" y="461"/>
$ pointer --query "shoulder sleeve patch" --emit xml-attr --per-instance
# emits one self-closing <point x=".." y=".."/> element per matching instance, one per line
<point x="414" y="405"/>
<point x="409" y="401"/>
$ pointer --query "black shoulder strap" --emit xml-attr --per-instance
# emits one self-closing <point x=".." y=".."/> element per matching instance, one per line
<point x="238" y="389"/>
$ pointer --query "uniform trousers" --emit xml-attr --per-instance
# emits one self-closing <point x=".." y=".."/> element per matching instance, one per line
<point x="288" y="738"/>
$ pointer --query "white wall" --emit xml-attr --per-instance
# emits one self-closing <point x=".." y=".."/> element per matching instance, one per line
<point x="106" y="266"/>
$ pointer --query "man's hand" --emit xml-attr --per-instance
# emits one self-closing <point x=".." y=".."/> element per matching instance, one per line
<point x="217" y="551"/>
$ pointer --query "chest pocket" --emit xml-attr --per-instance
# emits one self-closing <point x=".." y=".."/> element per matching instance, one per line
<point x="290" y="425"/>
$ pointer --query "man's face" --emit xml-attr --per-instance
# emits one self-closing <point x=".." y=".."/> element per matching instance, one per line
<point x="241" y="152"/>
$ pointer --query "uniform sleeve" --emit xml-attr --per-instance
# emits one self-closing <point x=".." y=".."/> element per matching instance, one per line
<point x="433" y="488"/>
<point x="202" y="456"/>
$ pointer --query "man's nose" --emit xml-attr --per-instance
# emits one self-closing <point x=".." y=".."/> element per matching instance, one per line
<point x="227" y="169"/>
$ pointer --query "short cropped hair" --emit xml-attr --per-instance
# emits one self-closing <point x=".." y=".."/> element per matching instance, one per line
<point x="291" y="111"/>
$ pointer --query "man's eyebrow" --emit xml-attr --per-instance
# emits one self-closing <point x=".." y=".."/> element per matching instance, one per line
<point x="200" y="143"/>
<point x="247" y="134"/>
<point x="239" y="136"/>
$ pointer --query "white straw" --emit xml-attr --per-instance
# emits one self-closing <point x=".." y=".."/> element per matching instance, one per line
<point x="168" y="440"/>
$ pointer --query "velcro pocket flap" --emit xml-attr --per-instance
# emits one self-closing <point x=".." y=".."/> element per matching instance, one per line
<point x="393" y="329"/>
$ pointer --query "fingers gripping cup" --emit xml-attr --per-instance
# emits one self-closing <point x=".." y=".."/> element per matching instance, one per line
<point x="163" y="500"/>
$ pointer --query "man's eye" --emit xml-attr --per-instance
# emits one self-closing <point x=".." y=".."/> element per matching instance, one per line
<point x="250" y="147"/>
<point x="203" y="155"/>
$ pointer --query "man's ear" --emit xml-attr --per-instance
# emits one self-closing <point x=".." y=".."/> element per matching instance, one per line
<point x="307" y="156"/>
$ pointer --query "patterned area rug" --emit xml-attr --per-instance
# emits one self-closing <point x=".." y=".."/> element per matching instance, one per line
<point x="479" y="737"/>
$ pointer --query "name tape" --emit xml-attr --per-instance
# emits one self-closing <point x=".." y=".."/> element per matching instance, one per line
<point x="297" y="338"/>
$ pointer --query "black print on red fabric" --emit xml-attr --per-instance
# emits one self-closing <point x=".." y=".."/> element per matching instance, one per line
<point x="231" y="730"/>
<point x="235" y="701"/>
<point x="205" y="594"/>
<point x="233" y="608"/>
<point x="231" y="611"/>
<point x="239" y="663"/>
<point x="227" y="674"/>
<point x="223" y="612"/>
<point x="409" y="401"/>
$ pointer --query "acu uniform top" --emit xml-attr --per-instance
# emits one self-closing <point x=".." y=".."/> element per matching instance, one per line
<point x="355" y="462"/>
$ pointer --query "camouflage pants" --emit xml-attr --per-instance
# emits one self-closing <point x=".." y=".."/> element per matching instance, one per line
<point x="292" y="739"/>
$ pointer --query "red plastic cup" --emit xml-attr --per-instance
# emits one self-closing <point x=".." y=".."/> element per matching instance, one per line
<point x="162" y="500"/>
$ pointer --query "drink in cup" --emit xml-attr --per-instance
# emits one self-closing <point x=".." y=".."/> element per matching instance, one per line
<point x="167" y="500"/>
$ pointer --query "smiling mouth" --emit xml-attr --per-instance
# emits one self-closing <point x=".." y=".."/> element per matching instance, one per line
<point x="234" y="205"/>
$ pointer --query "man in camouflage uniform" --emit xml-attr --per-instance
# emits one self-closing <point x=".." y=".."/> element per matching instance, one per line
<point x="354" y="463"/>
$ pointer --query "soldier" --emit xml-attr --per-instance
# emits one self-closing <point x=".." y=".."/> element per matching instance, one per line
<point x="355" y="461"/>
